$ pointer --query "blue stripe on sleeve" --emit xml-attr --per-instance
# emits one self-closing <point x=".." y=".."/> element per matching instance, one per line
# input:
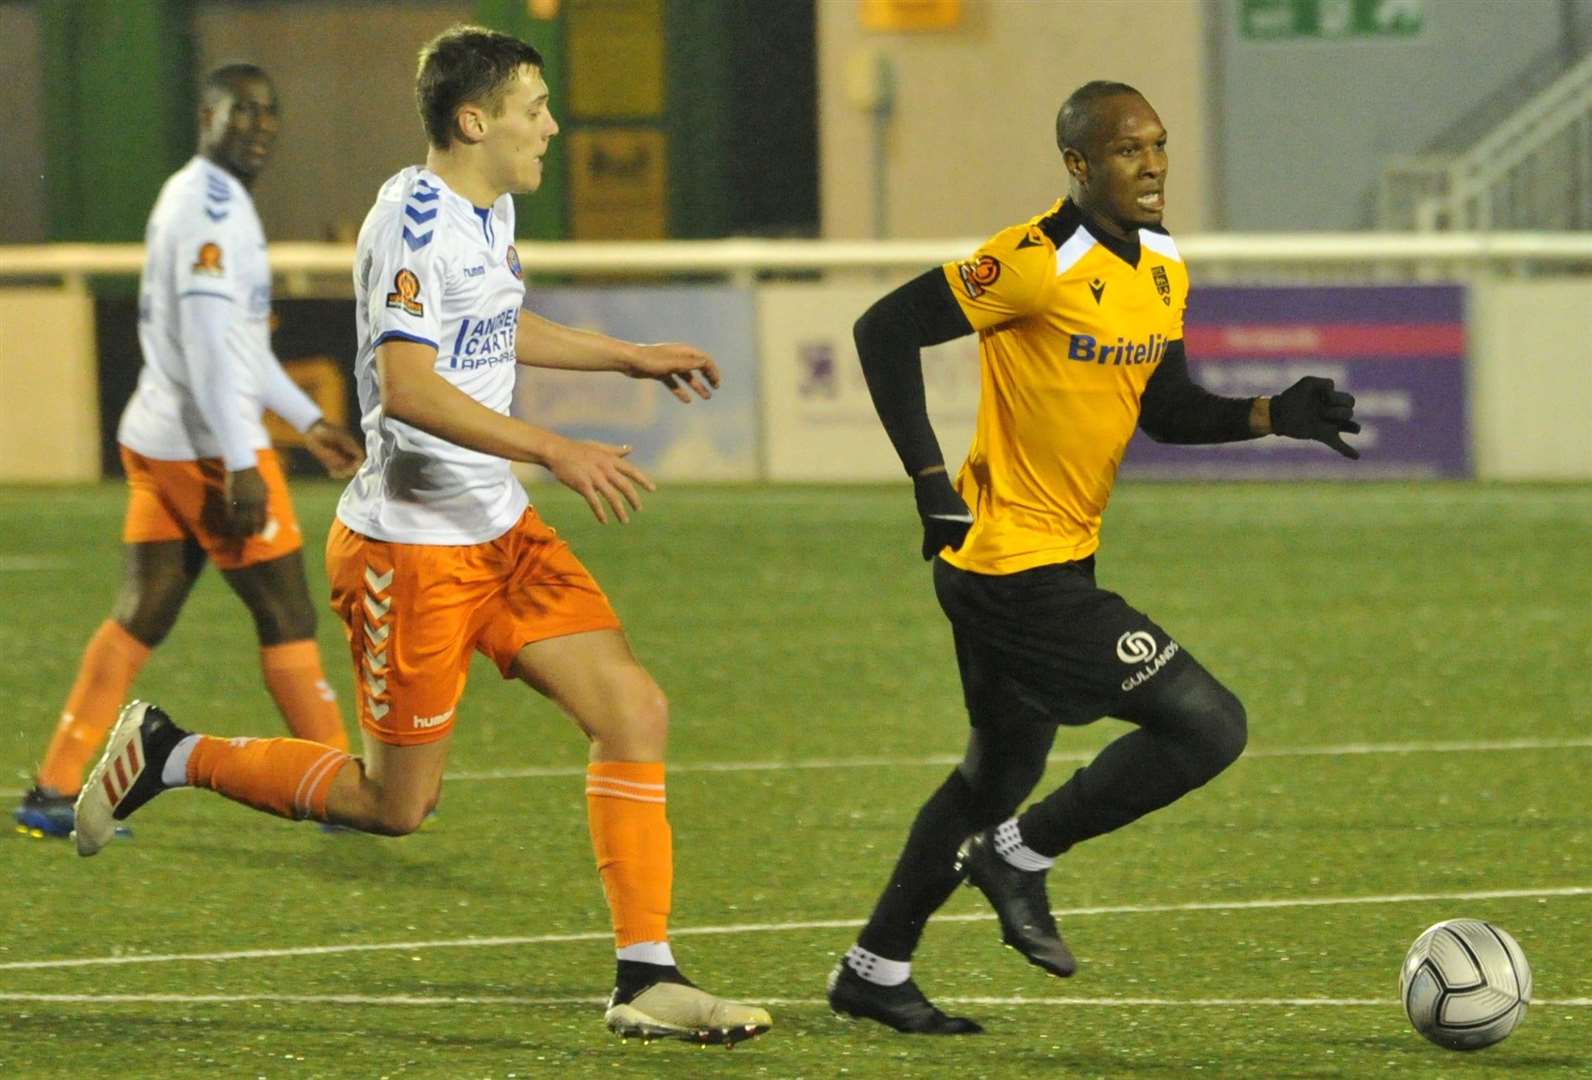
<point x="401" y="336"/>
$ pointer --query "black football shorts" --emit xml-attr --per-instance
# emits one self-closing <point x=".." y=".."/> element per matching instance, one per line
<point x="1048" y="645"/>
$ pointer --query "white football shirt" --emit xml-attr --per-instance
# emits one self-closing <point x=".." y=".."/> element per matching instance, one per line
<point x="432" y="268"/>
<point x="204" y="310"/>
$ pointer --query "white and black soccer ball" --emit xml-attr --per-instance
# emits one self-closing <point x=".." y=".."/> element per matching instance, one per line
<point x="1465" y="984"/>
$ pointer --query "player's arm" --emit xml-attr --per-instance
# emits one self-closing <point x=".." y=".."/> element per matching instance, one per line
<point x="339" y="453"/>
<point x="890" y="338"/>
<point x="206" y="318"/>
<point x="413" y="392"/>
<point x="684" y="369"/>
<point x="1176" y="409"/>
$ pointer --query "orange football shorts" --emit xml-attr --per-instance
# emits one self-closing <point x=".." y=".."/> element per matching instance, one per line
<point x="413" y="614"/>
<point x="183" y="500"/>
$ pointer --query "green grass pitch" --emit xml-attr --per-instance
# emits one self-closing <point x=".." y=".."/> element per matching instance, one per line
<point x="1417" y="665"/>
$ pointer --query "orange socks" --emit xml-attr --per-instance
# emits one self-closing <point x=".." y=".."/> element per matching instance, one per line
<point x="293" y="675"/>
<point x="286" y="777"/>
<point x="106" y="672"/>
<point x="112" y="660"/>
<point x="635" y="855"/>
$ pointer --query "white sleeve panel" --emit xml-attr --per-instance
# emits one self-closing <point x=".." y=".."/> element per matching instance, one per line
<point x="214" y="367"/>
<point x="282" y="396"/>
<point x="206" y="254"/>
<point x="406" y="279"/>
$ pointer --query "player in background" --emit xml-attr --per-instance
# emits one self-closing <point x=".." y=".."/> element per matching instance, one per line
<point x="1079" y="314"/>
<point x="436" y="552"/>
<point x="203" y="481"/>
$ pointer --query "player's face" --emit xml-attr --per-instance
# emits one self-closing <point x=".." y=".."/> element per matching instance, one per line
<point x="1125" y="175"/>
<point x="517" y="139"/>
<point x="241" y="130"/>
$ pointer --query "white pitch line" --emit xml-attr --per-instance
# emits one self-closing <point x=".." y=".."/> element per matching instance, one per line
<point x="292" y="999"/>
<point x="538" y="772"/>
<point x="757" y="928"/>
<point x="24" y="563"/>
<point x="1339" y="750"/>
<point x="512" y="1001"/>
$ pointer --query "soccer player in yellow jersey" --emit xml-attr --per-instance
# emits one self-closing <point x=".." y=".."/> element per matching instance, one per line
<point x="1079" y="314"/>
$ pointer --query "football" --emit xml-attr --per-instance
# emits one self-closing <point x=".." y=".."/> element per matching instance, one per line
<point x="1465" y="984"/>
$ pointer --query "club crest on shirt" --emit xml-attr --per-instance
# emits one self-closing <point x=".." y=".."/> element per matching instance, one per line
<point x="979" y="274"/>
<point x="1162" y="285"/>
<point x="209" y="260"/>
<point x="406" y="293"/>
<point x="514" y="262"/>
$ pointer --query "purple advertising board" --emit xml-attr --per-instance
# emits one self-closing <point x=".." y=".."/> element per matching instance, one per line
<point x="1400" y="350"/>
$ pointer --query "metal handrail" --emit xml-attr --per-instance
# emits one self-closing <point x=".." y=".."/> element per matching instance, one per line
<point x="74" y="263"/>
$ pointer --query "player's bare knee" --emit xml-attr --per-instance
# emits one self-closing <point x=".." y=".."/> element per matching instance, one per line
<point x="148" y="611"/>
<point x="400" y="820"/>
<point x="148" y="631"/>
<point x="282" y="619"/>
<point x="646" y="714"/>
<point x="299" y="624"/>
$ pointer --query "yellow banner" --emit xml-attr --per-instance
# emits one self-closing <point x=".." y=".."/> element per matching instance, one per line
<point x="618" y="184"/>
<point x="911" y="14"/>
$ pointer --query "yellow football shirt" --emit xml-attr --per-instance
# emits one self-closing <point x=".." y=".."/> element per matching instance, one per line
<point x="1072" y="323"/>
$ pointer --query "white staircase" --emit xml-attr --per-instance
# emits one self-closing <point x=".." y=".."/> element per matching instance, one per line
<point x="1531" y="172"/>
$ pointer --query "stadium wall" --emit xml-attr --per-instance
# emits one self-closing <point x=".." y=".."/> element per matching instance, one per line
<point x="971" y="144"/>
<point x="1267" y="135"/>
<point x="22" y="125"/>
<point x="1500" y="392"/>
<point x="49" y="394"/>
<point x="348" y="108"/>
<point x="1531" y="380"/>
<point x="1306" y="123"/>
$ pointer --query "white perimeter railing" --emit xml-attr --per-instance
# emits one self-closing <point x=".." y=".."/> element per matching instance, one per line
<point x="325" y="269"/>
<point x="1534" y="170"/>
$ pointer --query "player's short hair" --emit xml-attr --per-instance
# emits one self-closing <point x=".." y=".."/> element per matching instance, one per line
<point x="1077" y="119"/>
<point x="223" y="81"/>
<point x="466" y="64"/>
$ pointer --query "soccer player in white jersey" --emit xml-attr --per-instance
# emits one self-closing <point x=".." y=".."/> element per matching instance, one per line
<point x="436" y="553"/>
<point x="204" y="484"/>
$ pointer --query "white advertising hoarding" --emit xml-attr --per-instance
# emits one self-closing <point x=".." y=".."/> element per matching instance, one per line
<point x="818" y="420"/>
<point x="705" y="440"/>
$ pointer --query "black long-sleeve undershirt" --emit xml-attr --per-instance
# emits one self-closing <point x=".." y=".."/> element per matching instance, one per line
<point x="1176" y="409"/>
<point x="891" y="335"/>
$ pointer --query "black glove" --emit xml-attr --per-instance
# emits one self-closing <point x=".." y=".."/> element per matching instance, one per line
<point x="945" y="516"/>
<point x="1312" y="409"/>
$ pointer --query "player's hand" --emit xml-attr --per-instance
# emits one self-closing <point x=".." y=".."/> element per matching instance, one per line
<point x="246" y="499"/>
<point x="1312" y="409"/>
<point x="599" y="473"/>
<point x="339" y="453"/>
<point x="678" y="367"/>
<point x="945" y="516"/>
